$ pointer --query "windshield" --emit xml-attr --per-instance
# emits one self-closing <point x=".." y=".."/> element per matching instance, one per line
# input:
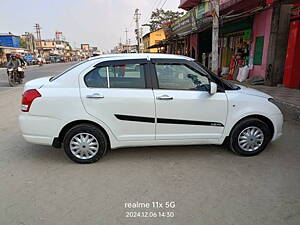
<point x="226" y="84"/>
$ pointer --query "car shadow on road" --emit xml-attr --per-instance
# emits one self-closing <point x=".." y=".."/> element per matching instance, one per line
<point x="166" y="152"/>
<point x="47" y="153"/>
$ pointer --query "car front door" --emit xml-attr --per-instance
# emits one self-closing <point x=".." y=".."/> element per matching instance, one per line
<point x="184" y="107"/>
<point x="118" y="94"/>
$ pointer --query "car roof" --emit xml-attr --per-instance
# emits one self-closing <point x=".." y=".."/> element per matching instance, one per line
<point x="125" y="56"/>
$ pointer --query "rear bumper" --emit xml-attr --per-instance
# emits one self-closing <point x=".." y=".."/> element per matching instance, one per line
<point x="40" y="140"/>
<point x="39" y="129"/>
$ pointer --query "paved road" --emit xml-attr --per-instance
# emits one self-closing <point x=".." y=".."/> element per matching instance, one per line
<point x="210" y="185"/>
<point x="33" y="72"/>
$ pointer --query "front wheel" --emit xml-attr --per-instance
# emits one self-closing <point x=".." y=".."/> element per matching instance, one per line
<point x="250" y="137"/>
<point x="11" y="80"/>
<point x="85" y="143"/>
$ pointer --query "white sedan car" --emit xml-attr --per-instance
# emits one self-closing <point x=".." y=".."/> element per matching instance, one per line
<point x="128" y="100"/>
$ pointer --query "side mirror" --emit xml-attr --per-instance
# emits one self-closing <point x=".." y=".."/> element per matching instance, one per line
<point x="213" y="88"/>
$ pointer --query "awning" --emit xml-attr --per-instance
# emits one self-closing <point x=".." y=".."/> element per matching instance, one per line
<point x="160" y="44"/>
<point x="236" y="6"/>
<point x="188" y="4"/>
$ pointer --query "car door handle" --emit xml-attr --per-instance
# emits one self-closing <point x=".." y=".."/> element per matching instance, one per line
<point x="95" y="95"/>
<point x="164" y="97"/>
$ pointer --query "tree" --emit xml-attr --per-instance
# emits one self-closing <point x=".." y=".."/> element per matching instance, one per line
<point x="23" y="42"/>
<point x="160" y="17"/>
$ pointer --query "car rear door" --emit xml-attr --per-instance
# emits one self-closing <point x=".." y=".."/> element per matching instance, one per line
<point x="184" y="107"/>
<point x="119" y="94"/>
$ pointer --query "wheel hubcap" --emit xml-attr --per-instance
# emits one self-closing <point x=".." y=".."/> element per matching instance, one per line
<point x="84" y="146"/>
<point x="250" y="139"/>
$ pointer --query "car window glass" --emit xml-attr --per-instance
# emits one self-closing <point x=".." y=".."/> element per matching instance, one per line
<point x="180" y="77"/>
<point x="96" y="78"/>
<point x="127" y="76"/>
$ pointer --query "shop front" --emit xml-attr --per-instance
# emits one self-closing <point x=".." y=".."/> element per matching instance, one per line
<point x="235" y="46"/>
<point x="194" y="39"/>
<point x="179" y="34"/>
<point x="205" y="46"/>
<point x="291" y="77"/>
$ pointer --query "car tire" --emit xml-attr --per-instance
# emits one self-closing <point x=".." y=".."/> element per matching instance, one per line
<point x="249" y="137"/>
<point x="85" y="143"/>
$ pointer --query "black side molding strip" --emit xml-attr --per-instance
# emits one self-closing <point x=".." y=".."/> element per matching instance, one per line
<point x="167" y="121"/>
<point x="189" y="122"/>
<point x="135" y="118"/>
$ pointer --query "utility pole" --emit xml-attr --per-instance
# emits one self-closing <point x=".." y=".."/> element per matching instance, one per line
<point x="27" y="41"/>
<point x="126" y="32"/>
<point x="141" y="44"/>
<point x="215" y="9"/>
<point x="38" y="36"/>
<point x="137" y="17"/>
<point x="129" y="46"/>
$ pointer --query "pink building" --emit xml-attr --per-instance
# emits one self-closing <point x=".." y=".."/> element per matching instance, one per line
<point x="261" y="28"/>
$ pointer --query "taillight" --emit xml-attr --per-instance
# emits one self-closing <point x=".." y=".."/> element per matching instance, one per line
<point x="28" y="98"/>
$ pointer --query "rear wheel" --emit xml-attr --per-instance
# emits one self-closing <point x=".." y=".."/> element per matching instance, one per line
<point x="250" y="137"/>
<point x="20" y="77"/>
<point x="85" y="143"/>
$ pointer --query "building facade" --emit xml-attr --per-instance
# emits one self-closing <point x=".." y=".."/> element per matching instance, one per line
<point x="253" y="33"/>
<point x="9" y="44"/>
<point x="30" y="42"/>
<point x="153" y="38"/>
<point x="10" y="40"/>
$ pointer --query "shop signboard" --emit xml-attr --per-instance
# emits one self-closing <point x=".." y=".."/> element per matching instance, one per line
<point x="184" y="24"/>
<point x="201" y="9"/>
<point x="204" y="22"/>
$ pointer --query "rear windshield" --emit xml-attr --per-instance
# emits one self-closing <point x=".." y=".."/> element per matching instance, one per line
<point x="61" y="74"/>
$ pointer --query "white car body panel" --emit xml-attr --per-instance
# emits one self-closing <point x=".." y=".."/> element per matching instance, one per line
<point x="120" y="101"/>
<point x="238" y="109"/>
<point x="192" y="106"/>
<point x="64" y="101"/>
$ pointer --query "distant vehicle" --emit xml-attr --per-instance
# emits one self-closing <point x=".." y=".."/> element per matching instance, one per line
<point x="14" y="76"/>
<point x="34" y="61"/>
<point x="115" y="101"/>
<point x="29" y="59"/>
<point x="47" y="60"/>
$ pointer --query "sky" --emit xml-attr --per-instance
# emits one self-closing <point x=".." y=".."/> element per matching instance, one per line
<point x="100" y="23"/>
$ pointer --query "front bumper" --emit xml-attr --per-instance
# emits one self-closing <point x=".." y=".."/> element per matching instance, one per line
<point x="277" y="121"/>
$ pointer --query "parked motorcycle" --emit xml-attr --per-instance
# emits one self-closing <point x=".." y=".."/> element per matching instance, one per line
<point x="14" y="76"/>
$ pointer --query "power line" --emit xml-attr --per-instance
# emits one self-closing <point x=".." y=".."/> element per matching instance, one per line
<point x="157" y="6"/>
<point x="163" y="4"/>
<point x="149" y="14"/>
